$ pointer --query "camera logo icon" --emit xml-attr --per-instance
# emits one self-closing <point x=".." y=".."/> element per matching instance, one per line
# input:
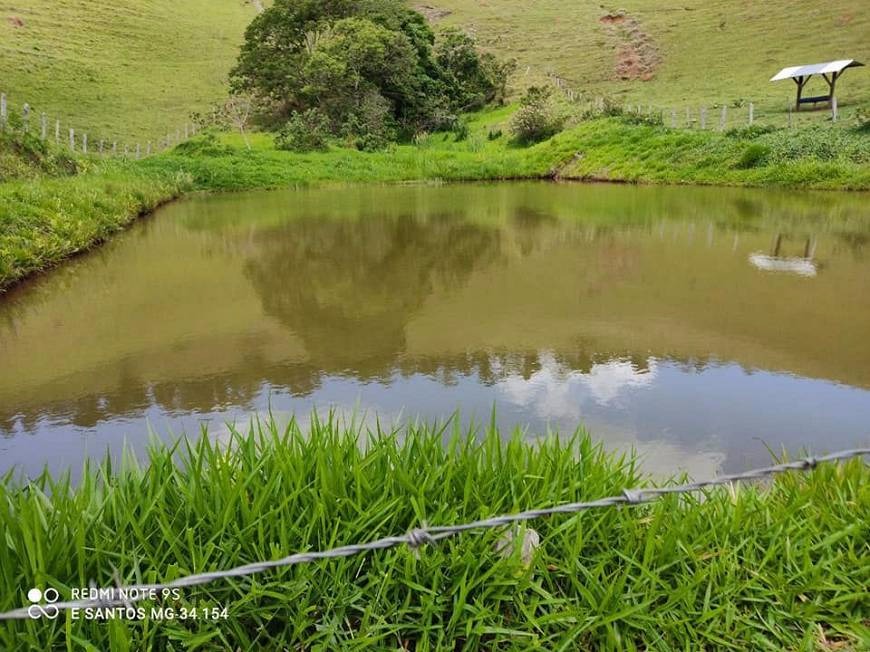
<point x="38" y="609"/>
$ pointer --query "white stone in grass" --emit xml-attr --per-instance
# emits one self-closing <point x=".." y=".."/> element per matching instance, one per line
<point x="510" y="538"/>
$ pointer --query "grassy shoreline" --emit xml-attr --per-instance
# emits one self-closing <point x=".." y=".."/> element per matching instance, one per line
<point x="779" y="566"/>
<point x="47" y="219"/>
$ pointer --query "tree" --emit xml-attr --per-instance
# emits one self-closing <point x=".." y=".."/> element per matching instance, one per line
<point x="352" y="59"/>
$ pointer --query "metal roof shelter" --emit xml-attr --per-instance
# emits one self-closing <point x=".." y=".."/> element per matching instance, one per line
<point x="801" y="75"/>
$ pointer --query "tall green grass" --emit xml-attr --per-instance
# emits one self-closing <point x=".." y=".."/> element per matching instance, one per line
<point x="783" y="566"/>
<point x="45" y="220"/>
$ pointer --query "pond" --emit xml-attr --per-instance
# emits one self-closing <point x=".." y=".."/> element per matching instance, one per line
<point x="701" y="327"/>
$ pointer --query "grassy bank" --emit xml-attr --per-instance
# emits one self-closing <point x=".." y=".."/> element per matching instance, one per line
<point x="611" y="149"/>
<point x="47" y="218"/>
<point x="780" y="567"/>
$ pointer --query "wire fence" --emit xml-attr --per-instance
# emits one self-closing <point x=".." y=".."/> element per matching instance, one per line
<point x="28" y="121"/>
<point x="120" y="596"/>
<point x="717" y="116"/>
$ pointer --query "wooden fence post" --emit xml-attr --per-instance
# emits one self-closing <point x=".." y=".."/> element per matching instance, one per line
<point x="703" y="117"/>
<point x="751" y="113"/>
<point x="57" y="132"/>
<point x="186" y="131"/>
<point x="84" y="143"/>
<point x="138" y="151"/>
<point x="688" y="117"/>
<point x="25" y="117"/>
<point x="723" y="118"/>
<point x="102" y="146"/>
<point x="114" y="148"/>
<point x="834" y="109"/>
<point x="43" y="132"/>
<point x="674" y="118"/>
<point x="148" y="149"/>
<point x="126" y="151"/>
<point x="3" y="113"/>
<point x="72" y="139"/>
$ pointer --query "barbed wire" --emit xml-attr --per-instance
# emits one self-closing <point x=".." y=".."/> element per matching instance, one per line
<point x="120" y="596"/>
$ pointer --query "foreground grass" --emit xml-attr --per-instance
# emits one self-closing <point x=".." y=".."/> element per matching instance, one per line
<point x="779" y="567"/>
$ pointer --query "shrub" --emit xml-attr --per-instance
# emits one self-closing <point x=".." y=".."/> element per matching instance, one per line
<point x="753" y="156"/>
<point x="494" y="134"/>
<point x="304" y="132"/>
<point x="205" y="144"/>
<point x="539" y="116"/>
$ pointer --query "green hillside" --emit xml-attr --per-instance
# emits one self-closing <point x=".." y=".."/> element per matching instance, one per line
<point x="125" y="69"/>
<point x="671" y="54"/>
<point x="134" y="69"/>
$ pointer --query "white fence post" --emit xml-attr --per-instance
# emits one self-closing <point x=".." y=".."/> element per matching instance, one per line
<point x="57" y="132"/>
<point x="114" y="148"/>
<point x="84" y="143"/>
<point x="4" y="116"/>
<point x="674" y="118"/>
<point x="751" y="113"/>
<point x="102" y="144"/>
<point x="789" y="115"/>
<point x="703" y="117"/>
<point x="148" y="149"/>
<point x="833" y="109"/>
<point x="723" y="117"/>
<point x="72" y="139"/>
<point x="25" y="117"/>
<point x="138" y="151"/>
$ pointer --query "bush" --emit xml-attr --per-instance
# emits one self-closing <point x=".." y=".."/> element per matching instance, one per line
<point x="205" y="144"/>
<point x="539" y="116"/>
<point x="494" y="134"/>
<point x="304" y="132"/>
<point x="753" y="156"/>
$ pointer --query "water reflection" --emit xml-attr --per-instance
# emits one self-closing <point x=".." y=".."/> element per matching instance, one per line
<point x="631" y="310"/>
<point x="778" y="262"/>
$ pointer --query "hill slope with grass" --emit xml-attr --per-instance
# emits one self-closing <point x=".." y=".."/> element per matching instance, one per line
<point x="671" y="54"/>
<point x="124" y="69"/>
<point x="133" y="70"/>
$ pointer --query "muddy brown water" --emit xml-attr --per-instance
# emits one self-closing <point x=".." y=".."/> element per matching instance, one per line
<point x="698" y="326"/>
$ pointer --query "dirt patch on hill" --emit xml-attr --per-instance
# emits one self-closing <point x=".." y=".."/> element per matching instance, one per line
<point x="612" y="19"/>
<point x="15" y="21"/>
<point x="431" y="13"/>
<point x="637" y="56"/>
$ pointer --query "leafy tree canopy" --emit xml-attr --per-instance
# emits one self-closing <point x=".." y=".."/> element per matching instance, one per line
<point x="367" y="65"/>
